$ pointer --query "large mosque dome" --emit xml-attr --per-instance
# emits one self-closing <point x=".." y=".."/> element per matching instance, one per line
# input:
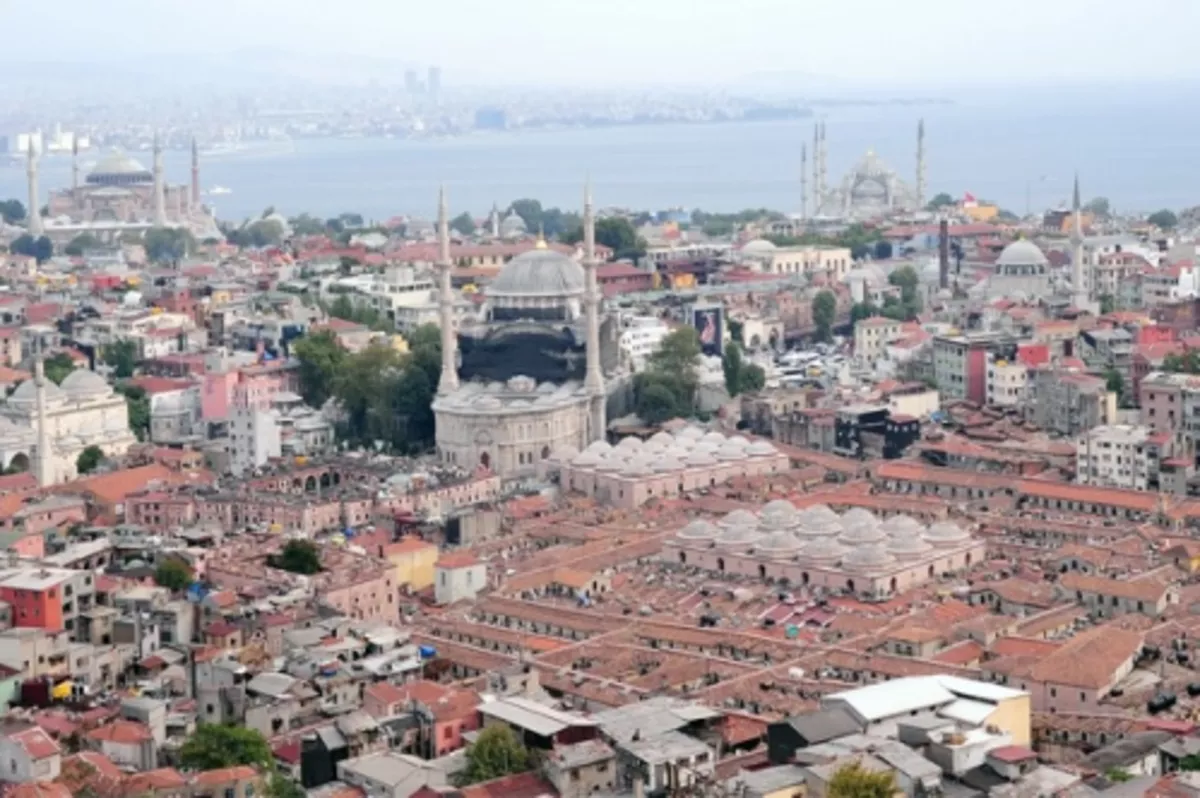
<point x="539" y="273"/>
<point x="117" y="168"/>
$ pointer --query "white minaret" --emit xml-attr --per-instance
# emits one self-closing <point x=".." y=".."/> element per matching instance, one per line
<point x="594" y="380"/>
<point x="921" y="164"/>
<point x="34" y="214"/>
<point x="803" y="181"/>
<point x="449" y="381"/>
<point x="824" y="173"/>
<point x="160" y="196"/>
<point x="817" y="198"/>
<point x="1080" y="290"/>
<point x="43" y="459"/>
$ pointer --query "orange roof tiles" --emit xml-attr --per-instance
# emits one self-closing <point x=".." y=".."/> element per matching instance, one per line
<point x="162" y="779"/>
<point x="121" y="731"/>
<point x="968" y="652"/>
<point x="458" y="559"/>
<point x="215" y="778"/>
<point x="36" y="743"/>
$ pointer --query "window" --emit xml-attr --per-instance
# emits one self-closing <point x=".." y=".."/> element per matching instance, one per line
<point x="1053" y="692"/>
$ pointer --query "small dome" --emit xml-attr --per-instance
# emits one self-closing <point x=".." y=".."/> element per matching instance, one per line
<point x="662" y="439"/>
<point x="761" y="449"/>
<point x="738" y="518"/>
<point x="706" y="446"/>
<point x="868" y="558"/>
<point x="899" y="525"/>
<point x="908" y="546"/>
<point x="700" y="460"/>
<point x="117" y="164"/>
<point x="730" y="453"/>
<point x="714" y="437"/>
<point x="946" y="533"/>
<point x="778" y="515"/>
<point x="860" y="528"/>
<point x="823" y="551"/>
<point x="598" y="447"/>
<point x="611" y="464"/>
<point x="26" y="393"/>
<point x="85" y="384"/>
<point x="698" y="530"/>
<point x="737" y="440"/>
<point x="636" y="468"/>
<point x="739" y="537"/>
<point x="690" y="433"/>
<point x="589" y="459"/>
<point x="758" y="246"/>
<point x="538" y="273"/>
<point x="665" y="465"/>
<point x="778" y="544"/>
<point x="819" y="521"/>
<point x="630" y="444"/>
<point x="1022" y="252"/>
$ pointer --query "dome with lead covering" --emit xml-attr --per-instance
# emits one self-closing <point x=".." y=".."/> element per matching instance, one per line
<point x="779" y="544"/>
<point x="872" y="557"/>
<point x="587" y="459"/>
<point x="85" y="384"/>
<point x="629" y="444"/>
<point x="860" y="528"/>
<point x="761" y="449"/>
<point x="700" y="460"/>
<point x="598" y="447"/>
<point x="564" y="454"/>
<point x="738" y="518"/>
<point x="823" y="551"/>
<point x="26" y="393"/>
<point x="908" y="546"/>
<point x="819" y="521"/>
<point x="699" y="530"/>
<point x="740" y="536"/>
<point x="117" y="168"/>
<point x="538" y="273"/>
<point x="690" y="433"/>
<point x="902" y="525"/>
<point x="946" y="533"/>
<point x="1022" y="252"/>
<point x="779" y="514"/>
<point x="662" y="439"/>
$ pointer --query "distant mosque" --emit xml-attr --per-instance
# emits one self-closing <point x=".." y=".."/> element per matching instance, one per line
<point x="119" y="195"/>
<point x="870" y="189"/>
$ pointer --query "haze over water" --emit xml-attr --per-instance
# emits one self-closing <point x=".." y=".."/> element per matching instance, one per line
<point x="1126" y="150"/>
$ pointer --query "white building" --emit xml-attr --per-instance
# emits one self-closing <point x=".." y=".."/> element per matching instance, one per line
<point x="84" y="411"/>
<point x="458" y="577"/>
<point x="1007" y="382"/>
<point x="871" y="337"/>
<point x="1114" y="456"/>
<point x="254" y="438"/>
<point x="640" y="339"/>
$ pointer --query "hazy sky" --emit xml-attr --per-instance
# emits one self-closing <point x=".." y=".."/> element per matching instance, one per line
<point x="648" y="41"/>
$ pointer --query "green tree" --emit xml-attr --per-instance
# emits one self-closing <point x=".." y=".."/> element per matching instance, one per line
<point x="213" y="746"/>
<point x="58" y="366"/>
<point x="463" y="224"/>
<point x="909" y="305"/>
<point x="1117" y="775"/>
<point x="89" y="459"/>
<point x="122" y="356"/>
<point x="173" y="574"/>
<point x="168" y="244"/>
<point x="39" y="248"/>
<point x="940" y="201"/>
<point x="736" y="328"/>
<point x="1187" y="363"/>
<point x="731" y="366"/>
<point x="298" y="557"/>
<point x="495" y="753"/>
<point x="363" y="387"/>
<point x="321" y="358"/>
<point x="530" y="211"/>
<point x="883" y="250"/>
<point x="12" y="211"/>
<point x="138" y="405"/>
<point x="80" y="244"/>
<point x="280" y="786"/>
<point x="1165" y="219"/>
<point x="656" y="399"/>
<point x="1098" y="207"/>
<point x="1191" y="762"/>
<point x="1114" y="382"/>
<point x="1107" y="303"/>
<point x="615" y="232"/>
<point x="754" y="379"/>
<point x="856" y="781"/>
<point x="670" y="374"/>
<point x="862" y="310"/>
<point x="307" y="225"/>
<point x="824" y="311"/>
<point x="351" y="220"/>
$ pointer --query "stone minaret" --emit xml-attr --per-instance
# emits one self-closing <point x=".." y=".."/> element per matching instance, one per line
<point x="817" y="199"/>
<point x="449" y="381"/>
<point x="921" y="164"/>
<point x="195" y="174"/>
<point x="803" y="181"/>
<point x="43" y="464"/>
<point x="1079" y="284"/>
<point x="34" y="213"/>
<point x="594" y="381"/>
<point x="824" y="167"/>
<point x="74" y="165"/>
<point x="160" y="196"/>
<point x="494" y="219"/>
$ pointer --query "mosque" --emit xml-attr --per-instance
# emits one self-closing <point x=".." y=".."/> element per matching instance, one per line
<point x="527" y="376"/>
<point x="869" y="190"/>
<point x="45" y="427"/>
<point x="120" y="195"/>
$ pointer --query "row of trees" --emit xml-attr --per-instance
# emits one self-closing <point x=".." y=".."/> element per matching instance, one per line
<point x="343" y="308"/>
<point x="385" y="395"/>
<point x="905" y="308"/>
<point x="615" y="232"/>
<point x="740" y="376"/>
<point x="862" y="241"/>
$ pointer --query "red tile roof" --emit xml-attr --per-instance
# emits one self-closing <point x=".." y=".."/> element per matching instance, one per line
<point x="122" y="731"/>
<point x="458" y="559"/>
<point x="215" y="778"/>
<point x="36" y="743"/>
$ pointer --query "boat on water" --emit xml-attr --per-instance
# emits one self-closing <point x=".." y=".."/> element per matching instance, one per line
<point x="217" y="191"/>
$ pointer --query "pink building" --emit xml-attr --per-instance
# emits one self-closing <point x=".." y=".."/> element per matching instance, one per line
<point x="816" y="547"/>
<point x="634" y="472"/>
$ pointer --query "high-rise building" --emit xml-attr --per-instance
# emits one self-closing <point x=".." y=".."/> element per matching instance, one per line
<point x="433" y="83"/>
<point x="412" y="84"/>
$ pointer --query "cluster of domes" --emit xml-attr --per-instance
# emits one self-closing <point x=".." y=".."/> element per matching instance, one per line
<point x="664" y="453"/>
<point x="857" y="539"/>
<point x="81" y="385"/>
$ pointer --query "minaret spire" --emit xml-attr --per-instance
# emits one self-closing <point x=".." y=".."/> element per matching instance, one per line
<point x="816" y="175"/>
<point x="921" y="164"/>
<point x="594" y="380"/>
<point x="1081" y="293"/>
<point x="43" y="464"/>
<point x="74" y="164"/>
<point x="195" y="174"/>
<point x="449" y="380"/>
<point x="34" y="214"/>
<point x="823" y="149"/>
<point x="160" y="198"/>
<point x="803" y="181"/>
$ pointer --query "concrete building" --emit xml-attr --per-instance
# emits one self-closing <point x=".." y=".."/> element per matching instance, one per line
<point x="254" y="439"/>
<point x="871" y="337"/>
<point x="1067" y="401"/>
<point x="960" y="363"/>
<point x="1007" y="381"/>
<point x="458" y="577"/>
<point x="1113" y="456"/>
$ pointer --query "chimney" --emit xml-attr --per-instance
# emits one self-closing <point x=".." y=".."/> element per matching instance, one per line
<point x="944" y="254"/>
